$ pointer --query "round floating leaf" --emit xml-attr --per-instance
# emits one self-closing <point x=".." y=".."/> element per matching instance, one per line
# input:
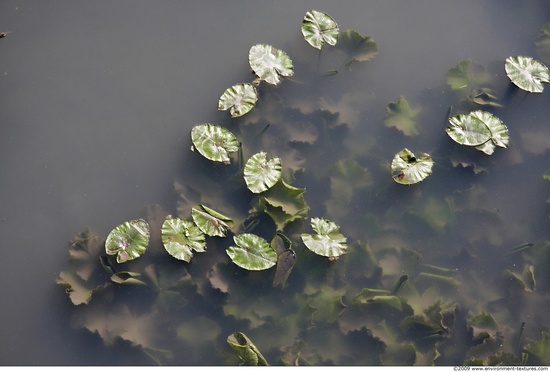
<point x="319" y="28"/>
<point x="214" y="142"/>
<point x="499" y="131"/>
<point x="128" y="240"/>
<point x="527" y="73"/>
<point x="468" y="130"/>
<point x="328" y="241"/>
<point x="408" y="169"/>
<point x="268" y="63"/>
<point x="181" y="238"/>
<point x="239" y="99"/>
<point x="211" y="222"/>
<point x="261" y="174"/>
<point x="252" y="252"/>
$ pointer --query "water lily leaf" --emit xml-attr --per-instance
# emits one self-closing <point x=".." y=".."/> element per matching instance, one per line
<point x="252" y="252"/>
<point x="238" y="99"/>
<point x="246" y="350"/>
<point x="214" y="142"/>
<point x="128" y="240"/>
<point x="211" y="222"/>
<point x="527" y="73"/>
<point x="484" y="97"/>
<point x="268" y="63"/>
<point x="499" y="131"/>
<point x="359" y="48"/>
<point x="328" y="304"/>
<point x="284" y="203"/>
<point x="467" y="75"/>
<point x="78" y="289"/>
<point x="181" y="237"/>
<point x="468" y="130"/>
<point x="408" y="169"/>
<point x="402" y="116"/>
<point x="261" y="174"/>
<point x="84" y="251"/>
<point x="328" y="241"/>
<point x="286" y="259"/>
<point x="319" y="28"/>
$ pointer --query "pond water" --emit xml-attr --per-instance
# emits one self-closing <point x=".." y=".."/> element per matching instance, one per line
<point x="97" y="101"/>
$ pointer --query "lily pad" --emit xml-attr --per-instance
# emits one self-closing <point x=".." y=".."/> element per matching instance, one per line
<point x="261" y="174"/>
<point x="319" y="28"/>
<point x="214" y="142"/>
<point x="359" y="48"/>
<point x="527" y="73"/>
<point x="402" y="116"/>
<point x="467" y="75"/>
<point x="468" y="130"/>
<point x="211" y="222"/>
<point x="181" y="237"/>
<point x="499" y="131"/>
<point x="252" y="252"/>
<point x="408" y="169"/>
<point x="269" y="63"/>
<point x="328" y="241"/>
<point x="238" y="99"/>
<point x="128" y="240"/>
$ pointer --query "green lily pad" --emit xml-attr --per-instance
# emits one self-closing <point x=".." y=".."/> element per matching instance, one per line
<point x="499" y="131"/>
<point x="467" y="75"/>
<point x="252" y="252"/>
<point x="468" y="130"/>
<point x="359" y="48"/>
<point x="246" y="350"/>
<point x="269" y="63"/>
<point x="181" y="237"/>
<point x="238" y="99"/>
<point x="408" y="169"/>
<point x="261" y="174"/>
<point x="527" y="73"/>
<point x="214" y="142"/>
<point x="319" y="28"/>
<point x="128" y="240"/>
<point x="211" y="222"/>
<point x="328" y="241"/>
<point x="402" y="116"/>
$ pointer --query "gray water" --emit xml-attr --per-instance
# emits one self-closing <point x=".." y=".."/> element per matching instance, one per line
<point x="97" y="100"/>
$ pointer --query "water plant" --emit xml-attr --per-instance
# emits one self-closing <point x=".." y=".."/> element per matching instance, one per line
<point x="527" y="73"/>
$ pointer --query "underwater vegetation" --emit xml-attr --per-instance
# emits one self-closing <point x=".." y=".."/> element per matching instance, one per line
<point x="246" y="269"/>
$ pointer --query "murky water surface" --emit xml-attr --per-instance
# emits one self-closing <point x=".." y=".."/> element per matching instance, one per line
<point x="97" y="100"/>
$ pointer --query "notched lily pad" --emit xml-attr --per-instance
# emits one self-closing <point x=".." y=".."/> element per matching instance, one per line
<point x="269" y="63"/>
<point x="328" y="241"/>
<point x="468" y="130"/>
<point x="527" y="73"/>
<point x="238" y="99"/>
<point x="261" y="174"/>
<point x="214" y="142"/>
<point x="252" y="252"/>
<point x="402" y="116"/>
<point x="359" y="48"/>
<point x="181" y="237"/>
<point x="408" y="169"/>
<point x="211" y="222"/>
<point x="128" y="240"/>
<point x="467" y="75"/>
<point x="319" y="28"/>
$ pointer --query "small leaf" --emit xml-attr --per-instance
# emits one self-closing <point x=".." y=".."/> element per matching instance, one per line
<point x="211" y="222"/>
<point x="128" y="240"/>
<point x="181" y="237"/>
<point x="319" y="28"/>
<point x="214" y="142"/>
<point x="467" y="75"/>
<point x="527" y="73"/>
<point x="358" y="48"/>
<point x="268" y="63"/>
<point x="252" y="252"/>
<point x="238" y="99"/>
<point x="79" y="291"/>
<point x="499" y="131"/>
<point x="261" y="174"/>
<point x="246" y="350"/>
<point x="328" y="241"/>
<point x="408" y="169"/>
<point x="402" y="116"/>
<point x="468" y="130"/>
